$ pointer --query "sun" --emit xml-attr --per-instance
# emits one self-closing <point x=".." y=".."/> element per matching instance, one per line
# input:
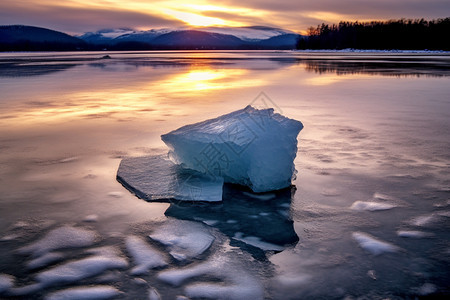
<point x="194" y="19"/>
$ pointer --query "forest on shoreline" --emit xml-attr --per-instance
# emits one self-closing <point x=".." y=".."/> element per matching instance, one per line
<point x="403" y="34"/>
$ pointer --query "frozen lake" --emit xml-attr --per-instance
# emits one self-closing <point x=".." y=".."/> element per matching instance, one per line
<point x="369" y="217"/>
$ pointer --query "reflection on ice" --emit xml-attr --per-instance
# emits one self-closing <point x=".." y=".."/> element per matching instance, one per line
<point x="258" y="222"/>
<point x="251" y="223"/>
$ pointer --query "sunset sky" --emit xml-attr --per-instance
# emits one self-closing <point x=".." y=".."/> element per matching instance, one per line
<point x="78" y="16"/>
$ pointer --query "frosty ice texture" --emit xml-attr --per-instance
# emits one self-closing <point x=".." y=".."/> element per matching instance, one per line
<point x="157" y="178"/>
<point x="250" y="147"/>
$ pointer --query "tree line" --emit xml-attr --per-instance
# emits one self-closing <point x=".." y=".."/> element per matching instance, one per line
<point x="403" y="34"/>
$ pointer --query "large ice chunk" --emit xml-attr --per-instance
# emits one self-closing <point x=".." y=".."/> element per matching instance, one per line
<point x="251" y="147"/>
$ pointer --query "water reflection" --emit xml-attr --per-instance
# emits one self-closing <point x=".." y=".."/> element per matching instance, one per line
<point x="393" y="66"/>
<point x="253" y="222"/>
<point x="19" y="70"/>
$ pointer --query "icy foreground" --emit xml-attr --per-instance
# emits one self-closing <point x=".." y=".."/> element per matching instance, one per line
<point x="157" y="178"/>
<point x="250" y="147"/>
<point x="197" y="261"/>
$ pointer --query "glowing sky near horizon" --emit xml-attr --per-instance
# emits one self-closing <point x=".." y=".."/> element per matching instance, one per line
<point x="78" y="16"/>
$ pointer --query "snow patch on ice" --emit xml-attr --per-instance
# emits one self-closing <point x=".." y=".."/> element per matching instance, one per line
<point x="373" y="245"/>
<point x="413" y="234"/>
<point x="257" y="242"/>
<point x="115" y="194"/>
<point x="238" y="283"/>
<point x="10" y="237"/>
<point x="6" y="282"/>
<point x="144" y="256"/>
<point x="381" y="196"/>
<point x="430" y="220"/>
<point x="291" y="280"/>
<point x="76" y="270"/>
<point x="44" y="260"/>
<point x="85" y="293"/>
<point x="153" y="294"/>
<point x="184" y="239"/>
<point x="371" y="206"/>
<point x="427" y="289"/>
<point x="210" y="222"/>
<point x="60" y="238"/>
<point x="90" y="218"/>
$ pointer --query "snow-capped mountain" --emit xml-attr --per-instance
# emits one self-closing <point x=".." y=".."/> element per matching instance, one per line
<point x="249" y="33"/>
<point x="114" y="36"/>
<point x="252" y="37"/>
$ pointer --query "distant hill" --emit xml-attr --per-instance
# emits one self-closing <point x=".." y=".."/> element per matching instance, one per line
<point x="30" y="38"/>
<point x="193" y="39"/>
<point x="284" y="41"/>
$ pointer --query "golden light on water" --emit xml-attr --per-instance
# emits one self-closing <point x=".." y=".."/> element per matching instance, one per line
<point x="145" y="99"/>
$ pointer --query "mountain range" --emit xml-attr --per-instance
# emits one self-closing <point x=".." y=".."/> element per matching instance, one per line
<point x="21" y="37"/>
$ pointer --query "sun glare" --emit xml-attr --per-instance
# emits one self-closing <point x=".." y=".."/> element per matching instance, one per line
<point x="194" y="19"/>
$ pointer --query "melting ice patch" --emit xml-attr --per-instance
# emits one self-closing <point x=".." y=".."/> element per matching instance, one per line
<point x="250" y="147"/>
<point x="373" y="245"/>
<point x="157" y="178"/>
<point x="413" y="234"/>
<point x="184" y="240"/>
<point x="85" y="293"/>
<point x="371" y="205"/>
<point x="236" y="282"/>
<point x="44" y="260"/>
<point x="59" y="238"/>
<point x="6" y="282"/>
<point x="257" y="242"/>
<point x="153" y="294"/>
<point x="144" y="256"/>
<point x="79" y="269"/>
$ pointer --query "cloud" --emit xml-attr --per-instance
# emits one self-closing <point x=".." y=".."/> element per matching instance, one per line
<point x="78" y="20"/>
<point x="76" y="16"/>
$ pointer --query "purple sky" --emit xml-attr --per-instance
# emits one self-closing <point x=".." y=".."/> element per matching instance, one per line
<point x="78" y="16"/>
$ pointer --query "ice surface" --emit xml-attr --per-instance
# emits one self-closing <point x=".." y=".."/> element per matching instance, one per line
<point x="238" y="283"/>
<point x="157" y="178"/>
<point x="250" y="147"/>
<point x="184" y="239"/>
<point x="144" y="256"/>
<point x="44" y="260"/>
<point x="6" y="282"/>
<point x="85" y="293"/>
<point x="80" y="269"/>
<point x="59" y="238"/>
<point x="413" y="234"/>
<point x="373" y="245"/>
<point x="371" y="206"/>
